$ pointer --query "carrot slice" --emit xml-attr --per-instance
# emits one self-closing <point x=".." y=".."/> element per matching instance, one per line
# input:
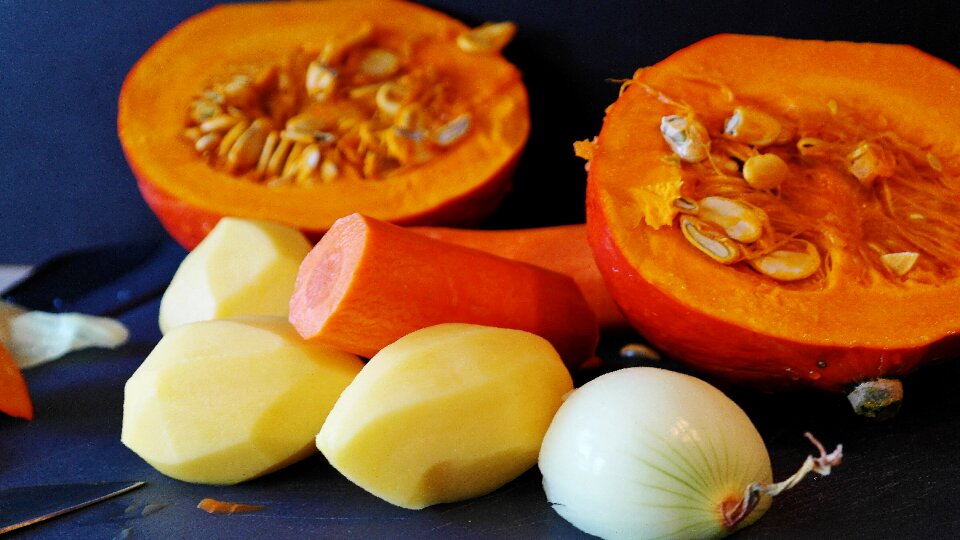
<point x="14" y="398"/>
<point x="368" y="283"/>
<point x="561" y="248"/>
<point x="213" y="506"/>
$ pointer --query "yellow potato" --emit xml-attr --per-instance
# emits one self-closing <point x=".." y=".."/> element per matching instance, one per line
<point x="220" y="402"/>
<point x="243" y="267"/>
<point x="446" y="413"/>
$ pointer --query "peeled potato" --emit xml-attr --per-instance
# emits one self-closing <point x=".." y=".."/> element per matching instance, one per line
<point x="446" y="413"/>
<point x="220" y="402"/>
<point x="243" y="267"/>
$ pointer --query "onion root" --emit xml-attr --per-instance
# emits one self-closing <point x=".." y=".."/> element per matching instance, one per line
<point x="735" y="512"/>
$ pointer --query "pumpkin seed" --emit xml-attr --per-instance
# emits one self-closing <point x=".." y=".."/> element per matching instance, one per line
<point x="901" y="262"/>
<point x="379" y="64"/>
<point x="389" y="98"/>
<point x="765" y="171"/>
<point x="321" y="80"/>
<point x="715" y="245"/>
<point x="738" y="221"/>
<point x="245" y="152"/>
<point x="686" y="205"/>
<point x="869" y="161"/>
<point x="487" y="38"/>
<point x="789" y="265"/>
<point x="453" y="131"/>
<point x="207" y="142"/>
<point x="279" y="158"/>
<point x="686" y="136"/>
<point x="219" y="123"/>
<point x="752" y="126"/>
<point x="269" y="145"/>
<point x="231" y="137"/>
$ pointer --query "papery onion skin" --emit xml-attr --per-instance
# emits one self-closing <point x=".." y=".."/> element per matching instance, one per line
<point x="650" y="453"/>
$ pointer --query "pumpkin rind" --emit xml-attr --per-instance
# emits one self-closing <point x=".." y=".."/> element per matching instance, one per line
<point x="731" y="321"/>
<point x="462" y="186"/>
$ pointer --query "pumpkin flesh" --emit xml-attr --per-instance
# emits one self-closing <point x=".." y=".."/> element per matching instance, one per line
<point x="462" y="184"/>
<point x="854" y="318"/>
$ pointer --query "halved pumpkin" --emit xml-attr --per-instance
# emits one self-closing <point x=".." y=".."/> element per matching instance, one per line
<point x="834" y="262"/>
<point x="304" y="112"/>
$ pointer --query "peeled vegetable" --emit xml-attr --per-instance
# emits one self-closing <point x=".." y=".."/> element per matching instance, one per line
<point x="650" y="453"/>
<point x="220" y="402"/>
<point x="783" y="221"/>
<point x="446" y="413"/>
<point x="243" y="267"/>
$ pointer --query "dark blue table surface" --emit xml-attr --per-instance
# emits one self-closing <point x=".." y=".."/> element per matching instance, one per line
<point x="67" y="186"/>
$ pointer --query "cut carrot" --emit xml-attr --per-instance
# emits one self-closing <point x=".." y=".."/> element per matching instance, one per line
<point x="213" y="506"/>
<point x="561" y="248"/>
<point x="368" y="283"/>
<point x="14" y="398"/>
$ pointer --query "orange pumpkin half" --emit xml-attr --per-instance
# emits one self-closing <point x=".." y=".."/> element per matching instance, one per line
<point x="784" y="213"/>
<point x="304" y="112"/>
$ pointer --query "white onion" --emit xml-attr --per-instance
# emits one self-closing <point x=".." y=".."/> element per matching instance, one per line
<point x="650" y="453"/>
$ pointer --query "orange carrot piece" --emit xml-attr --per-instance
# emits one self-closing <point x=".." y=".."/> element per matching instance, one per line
<point x="213" y="506"/>
<point x="368" y="283"/>
<point x="561" y="248"/>
<point x="14" y="398"/>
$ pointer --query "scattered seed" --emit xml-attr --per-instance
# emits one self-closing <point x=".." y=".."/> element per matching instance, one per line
<point x="207" y="142"/>
<point x="789" y="265"/>
<point x="738" y="221"/>
<point x="901" y="262"/>
<point x="219" y="123"/>
<point x="231" y="137"/>
<point x="752" y="126"/>
<point x="453" y="131"/>
<point x="765" y="171"/>
<point x="870" y="161"/>
<point x="487" y="38"/>
<point x="686" y="136"/>
<point x="321" y="80"/>
<point x="389" y="98"/>
<point x="638" y="351"/>
<point x="279" y="158"/>
<point x="245" y="152"/>
<point x="379" y="64"/>
<point x="686" y="205"/>
<point x="715" y="245"/>
<point x="269" y="145"/>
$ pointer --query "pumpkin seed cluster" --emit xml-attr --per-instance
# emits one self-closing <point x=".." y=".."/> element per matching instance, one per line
<point x="355" y="109"/>
<point x="735" y="207"/>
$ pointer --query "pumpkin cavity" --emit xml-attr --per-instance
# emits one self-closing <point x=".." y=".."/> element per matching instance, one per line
<point x="764" y="186"/>
<point x="358" y="107"/>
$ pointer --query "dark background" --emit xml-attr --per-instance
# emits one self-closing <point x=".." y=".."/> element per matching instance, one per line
<point x="66" y="184"/>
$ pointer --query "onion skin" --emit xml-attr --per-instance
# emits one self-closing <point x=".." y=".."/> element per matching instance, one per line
<point x="650" y="453"/>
